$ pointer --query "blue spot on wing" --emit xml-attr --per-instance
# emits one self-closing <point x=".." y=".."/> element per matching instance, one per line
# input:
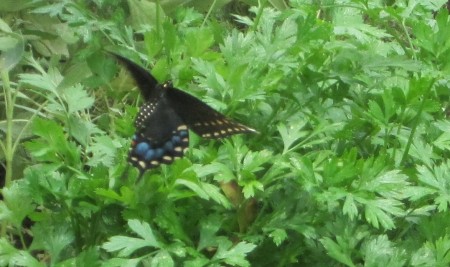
<point x="142" y="148"/>
<point x="168" y="146"/>
<point x="183" y="134"/>
<point x="149" y="155"/>
<point x="176" y="139"/>
<point x="159" y="152"/>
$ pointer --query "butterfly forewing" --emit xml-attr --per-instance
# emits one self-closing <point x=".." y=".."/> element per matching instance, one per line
<point x="201" y="118"/>
<point x="145" y="81"/>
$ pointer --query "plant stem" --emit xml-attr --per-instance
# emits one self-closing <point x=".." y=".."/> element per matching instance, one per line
<point x="261" y="7"/>
<point x="9" y="107"/>
<point x="208" y="13"/>
<point x="416" y="121"/>
<point x="8" y="149"/>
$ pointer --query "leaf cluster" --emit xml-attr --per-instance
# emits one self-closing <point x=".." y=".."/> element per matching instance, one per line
<point x="350" y="166"/>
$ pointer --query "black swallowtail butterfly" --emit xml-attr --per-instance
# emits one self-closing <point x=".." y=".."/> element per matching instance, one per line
<point x="164" y="119"/>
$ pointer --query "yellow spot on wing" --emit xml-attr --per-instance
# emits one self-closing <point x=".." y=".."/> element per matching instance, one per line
<point x="142" y="164"/>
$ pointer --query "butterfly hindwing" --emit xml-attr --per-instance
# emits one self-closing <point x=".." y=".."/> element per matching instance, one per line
<point x="201" y="118"/>
<point x="161" y="136"/>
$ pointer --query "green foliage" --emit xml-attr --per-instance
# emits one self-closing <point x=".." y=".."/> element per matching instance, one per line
<point x="349" y="168"/>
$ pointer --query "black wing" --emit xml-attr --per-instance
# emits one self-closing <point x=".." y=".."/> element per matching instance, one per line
<point x="201" y="118"/>
<point x="145" y="81"/>
<point x="161" y="136"/>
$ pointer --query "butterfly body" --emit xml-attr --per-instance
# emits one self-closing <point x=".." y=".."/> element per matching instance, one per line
<point x="164" y="119"/>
